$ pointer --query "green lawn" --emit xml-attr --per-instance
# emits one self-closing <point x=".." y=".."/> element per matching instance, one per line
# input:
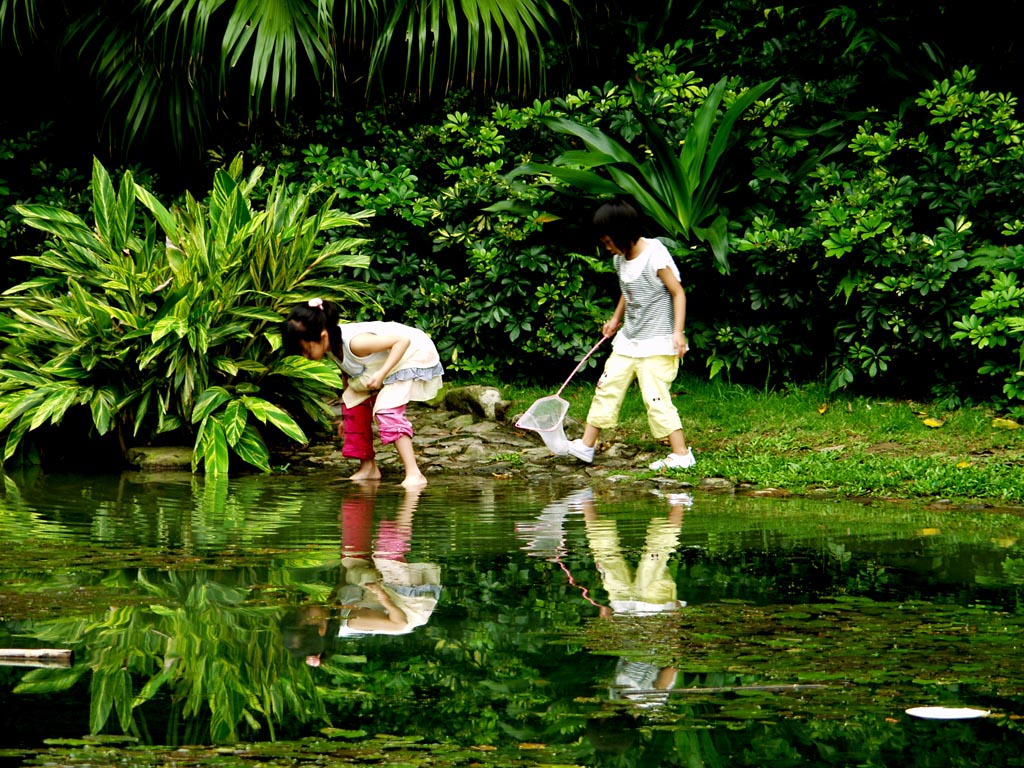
<point x="805" y="441"/>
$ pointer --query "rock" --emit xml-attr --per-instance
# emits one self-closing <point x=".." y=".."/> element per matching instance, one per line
<point x="716" y="484"/>
<point x="479" y="400"/>
<point x="170" y="457"/>
<point x="478" y="452"/>
<point x="772" y="493"/>
<point x="460" y="422"/>
<point x="466" y="443"/>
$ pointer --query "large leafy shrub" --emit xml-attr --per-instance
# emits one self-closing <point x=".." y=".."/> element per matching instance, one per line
<point x="496" y="288"/>
<point x="674" y="179"/>
<point x="880" y="269"/>
<point x="995" y="324"/>
<point x="163" y="323"/>
<point x="503" y="271"/>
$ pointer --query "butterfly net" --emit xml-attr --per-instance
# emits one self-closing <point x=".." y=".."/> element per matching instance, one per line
<point x="545" y="418"/>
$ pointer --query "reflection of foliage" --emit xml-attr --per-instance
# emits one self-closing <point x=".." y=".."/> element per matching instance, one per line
<point x="515" y="654"/>
<point x="1013" y="567"/>
<point x="220" y="661"/>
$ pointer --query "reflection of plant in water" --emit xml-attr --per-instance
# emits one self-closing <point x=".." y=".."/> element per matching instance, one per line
<point x="1013" y="569"/>
<point x="220" y="662"/>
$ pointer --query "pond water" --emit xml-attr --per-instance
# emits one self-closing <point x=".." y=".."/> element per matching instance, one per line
<point x="486" y="621"/>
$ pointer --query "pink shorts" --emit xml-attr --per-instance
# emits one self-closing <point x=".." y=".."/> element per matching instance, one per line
<point x="357" y="428"/>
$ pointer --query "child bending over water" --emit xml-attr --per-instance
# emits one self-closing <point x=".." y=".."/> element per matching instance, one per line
<point x="385" y="366"/>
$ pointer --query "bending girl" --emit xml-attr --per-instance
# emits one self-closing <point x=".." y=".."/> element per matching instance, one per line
<point x="385" y="366"/>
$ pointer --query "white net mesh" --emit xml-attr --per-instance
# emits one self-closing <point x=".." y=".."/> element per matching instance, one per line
<point x="545" y="418"/>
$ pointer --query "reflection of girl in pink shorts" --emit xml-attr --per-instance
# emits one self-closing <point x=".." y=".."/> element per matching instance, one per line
<point x="386" y="365"/>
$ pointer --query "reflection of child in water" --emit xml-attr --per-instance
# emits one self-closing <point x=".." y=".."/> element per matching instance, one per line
<point x="649" y="588"/>
<point x="378" y="591"/>
<point x="646" y="590"/>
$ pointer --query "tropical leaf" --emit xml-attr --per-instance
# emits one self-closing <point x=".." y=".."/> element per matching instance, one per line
<point x="252" y="450"/>
<point x="163" y="217"/>
<point x="297" y="367"/>
<point x="485" y="36"/>
<point x="50" y="680"/>
<point x="104" y="407"/>
<point x="269" y="413"/>
<point x="57" y="398"/>
<point x="212" y="447"/>
<point x="276" y="30"/>
<point x="101" y="698"/>
<point x="234" y="418"/>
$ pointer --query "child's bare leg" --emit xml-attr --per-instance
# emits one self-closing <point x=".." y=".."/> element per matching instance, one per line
<point x="414" y="478"/>
<point x="590" y="435"/>
<point x="368" y="470"/>
<point x="356" y="430"/>
<point x="677" y="442"/>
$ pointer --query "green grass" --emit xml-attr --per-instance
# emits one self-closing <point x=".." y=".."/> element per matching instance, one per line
<point x="806" y="441"/>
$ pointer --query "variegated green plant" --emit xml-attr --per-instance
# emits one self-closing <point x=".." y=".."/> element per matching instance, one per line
<point x="165" y="320"/>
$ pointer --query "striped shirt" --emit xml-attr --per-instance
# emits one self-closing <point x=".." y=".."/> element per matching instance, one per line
<point x="650" y="317"/>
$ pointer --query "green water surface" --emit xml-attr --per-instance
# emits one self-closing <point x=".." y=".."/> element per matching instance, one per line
<point x="240" y="621"/>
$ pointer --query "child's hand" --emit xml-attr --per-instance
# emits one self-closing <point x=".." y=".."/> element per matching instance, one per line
<point x="375" y="589"/>
<point x="679" y="342"/>
<point x="610" y="327"/>
<point x="367" y="383"/>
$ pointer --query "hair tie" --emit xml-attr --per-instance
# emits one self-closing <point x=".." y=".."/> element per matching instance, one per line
<point x="316" y="303"/>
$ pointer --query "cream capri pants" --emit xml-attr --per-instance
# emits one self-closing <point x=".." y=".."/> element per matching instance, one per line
<point x="655" y="375"/>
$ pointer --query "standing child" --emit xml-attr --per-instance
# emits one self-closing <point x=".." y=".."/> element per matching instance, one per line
<point x="652" y="314"/>
<point x="385" y="365"/>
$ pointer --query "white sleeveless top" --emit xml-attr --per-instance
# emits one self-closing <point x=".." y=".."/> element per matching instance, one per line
<point x="416" y="376"/>
<point x="650" y="313"/>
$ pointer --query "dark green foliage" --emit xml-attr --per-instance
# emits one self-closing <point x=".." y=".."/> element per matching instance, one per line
<point x="869" y="200"/>
<point x="457" y="250"/>
<point x="881" y="268"/>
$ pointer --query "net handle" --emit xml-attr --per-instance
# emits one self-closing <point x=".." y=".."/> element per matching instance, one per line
<point x="579" y="365"/>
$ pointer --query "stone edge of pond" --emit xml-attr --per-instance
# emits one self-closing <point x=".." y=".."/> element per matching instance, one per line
<point x="468" y="431"/>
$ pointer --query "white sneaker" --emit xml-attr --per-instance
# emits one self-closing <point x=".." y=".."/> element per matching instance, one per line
<point x="581" y="451"/>
<point x="676" y="461"/>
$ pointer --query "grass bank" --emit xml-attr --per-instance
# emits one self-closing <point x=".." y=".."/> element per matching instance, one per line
<point x="806" y="441"/>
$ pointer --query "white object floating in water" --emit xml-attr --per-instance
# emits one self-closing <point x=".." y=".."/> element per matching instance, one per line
<point x="948" y="713"/>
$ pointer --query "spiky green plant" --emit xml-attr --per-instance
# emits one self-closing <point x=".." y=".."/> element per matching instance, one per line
<point x="165" y="321"/>
<point x="676" y="185"/>
<point x="177" y="62"/>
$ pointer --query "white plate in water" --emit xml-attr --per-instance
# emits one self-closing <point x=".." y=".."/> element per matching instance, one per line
<point x="947" y="713"/>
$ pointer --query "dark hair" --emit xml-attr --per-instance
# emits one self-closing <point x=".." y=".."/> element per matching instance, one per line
<point x="306" y="323"/>
<point x="619" y="221"/>
<point x="301" y="638"/>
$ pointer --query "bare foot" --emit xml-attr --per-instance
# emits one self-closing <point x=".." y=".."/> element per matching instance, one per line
<point x="366" y="474"/>
<point x="414" y="481"/>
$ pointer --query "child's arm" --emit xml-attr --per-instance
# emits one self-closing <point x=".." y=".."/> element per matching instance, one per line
<point x="675" y="288"/>
<point x="615" y="321"/>
<point x="365" y="344"/>
<point x="395" y="618"/>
